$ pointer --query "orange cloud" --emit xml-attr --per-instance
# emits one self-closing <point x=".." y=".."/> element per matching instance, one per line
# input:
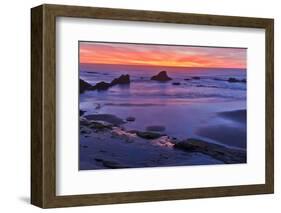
<point x="162" y="55"/>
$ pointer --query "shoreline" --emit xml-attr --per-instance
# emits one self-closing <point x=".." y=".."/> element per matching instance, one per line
<point x="106" y="144"/>
<point x="234" y="133"/>
<point x="239" y="115"/>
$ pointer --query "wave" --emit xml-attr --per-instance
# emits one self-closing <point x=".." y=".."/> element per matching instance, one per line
<point x="145" y="96"/>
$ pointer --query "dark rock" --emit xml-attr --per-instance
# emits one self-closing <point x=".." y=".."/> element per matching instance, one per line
<point x="187" y="79"/>
<point x="102" y="86"/>
<point x="174" y="140"/>
<point x="113" y="164"/>
<point x="200" y="85"/>
<point x="92" y="72"/>
<point x="216" y="151"/>
<point x="131" y="119"/>
<point x="233" y="80"/>
<point x="176" y="83"/>
<point x="85" y="131"/>
<point x="123" y="79"/>
<point x="218" y="79"/>
<point x="83" y="86"/>
<point x="161" y="76"/>
<point x="81" y="112"/>
<point x="106" y="117"/>
<point x="83" y="122"/>
<point x="155" y="128"/>
<point x="149" y="135"/>
<point x="196" y="78"/>
<point x="100" y="126"/>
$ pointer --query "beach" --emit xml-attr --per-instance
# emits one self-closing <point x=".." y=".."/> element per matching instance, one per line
<point x="133" y="117"/>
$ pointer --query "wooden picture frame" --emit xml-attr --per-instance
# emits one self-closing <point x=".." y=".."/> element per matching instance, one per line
<point x="43" y="105"/>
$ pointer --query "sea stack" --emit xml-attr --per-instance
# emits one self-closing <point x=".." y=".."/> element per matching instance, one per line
<point x="102" y="86"/>
<point x="83" y="86"/>
<point x="161" y="76"/>
<point x="123" y="79"/>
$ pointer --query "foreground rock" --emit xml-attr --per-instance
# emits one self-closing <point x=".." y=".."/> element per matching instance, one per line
<point x="148" y="135"/>
<point x="83" y="121"/>
<point x="112" y="119"/>
<point x="89" y="125"/>
<point x="111" y="164"/>
<point x="216" y="151"/>
<point x="161" y="76"/>
<point x="100" y="126"/>
<point x="84" y="131"/>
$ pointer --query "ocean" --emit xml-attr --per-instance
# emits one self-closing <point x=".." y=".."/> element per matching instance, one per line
<point x="184" y="109"/>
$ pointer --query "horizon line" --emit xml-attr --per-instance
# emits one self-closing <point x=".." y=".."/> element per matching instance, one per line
<point x="150" y="65"/>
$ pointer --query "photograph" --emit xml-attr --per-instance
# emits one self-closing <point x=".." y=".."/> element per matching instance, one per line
<point x="134" y="105"/>
<point x="159" y="105"/>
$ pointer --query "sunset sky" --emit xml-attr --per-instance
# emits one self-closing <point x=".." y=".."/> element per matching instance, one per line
<point x="162" y="55"/>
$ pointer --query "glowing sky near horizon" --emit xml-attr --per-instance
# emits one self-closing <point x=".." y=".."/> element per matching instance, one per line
<point x="162" y="55"/>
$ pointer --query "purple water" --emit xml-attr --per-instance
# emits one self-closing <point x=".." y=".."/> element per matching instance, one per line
<point x="182" y="109"/>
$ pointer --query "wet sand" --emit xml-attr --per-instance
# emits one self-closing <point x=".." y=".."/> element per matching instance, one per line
<point x="106" y="144"/>
<point x="236" y="115"/>
<point x="232" y="135"/>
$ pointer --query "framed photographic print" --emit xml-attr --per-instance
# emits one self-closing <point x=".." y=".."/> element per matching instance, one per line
<point x="136" y="106"/>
